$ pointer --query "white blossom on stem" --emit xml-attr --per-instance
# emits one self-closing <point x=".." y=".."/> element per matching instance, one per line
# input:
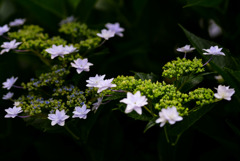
<point x="95" y="81"/>
<point x="58" y="118"/>
<point x="134" y="102"/>
<point x="81" y="65"/>
<point x="105" y="84"/>
<point x="169" y="115"/>
<point x="9" y="45"/>
<point x="81" y="112"/>
<point x="185" y="49"/>
<point x="13" y="112"/>
<point x="4" y="29"/>
<point x="106" y="34"/>
<point x="224" y="92"/>
<point x="17" y="22"/>
<point x="116" y="28"/>
<point x="213" y="50"/>
<point x="9" y="82"/>
<point x="8" y="96"/>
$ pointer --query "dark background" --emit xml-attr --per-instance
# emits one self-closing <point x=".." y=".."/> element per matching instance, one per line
<point x="150" y="40"/>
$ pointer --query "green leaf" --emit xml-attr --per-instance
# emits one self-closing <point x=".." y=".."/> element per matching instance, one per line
<point x="150" y="124"/>
<point x="233" y="127"/>
<point x="204" y="3"/>
<point x="144" y="76"/>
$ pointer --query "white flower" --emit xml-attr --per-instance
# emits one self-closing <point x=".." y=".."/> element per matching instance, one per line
<point x="224" y="92"/>
<point x="213" y="29"/>
<point x="169" y="115"/>
<point x="70" y="49"/>
<point x="81" y="112"/>
<point x="9" y="82"/>
<point x="185" y="49"/>
<point x="106" y="34"/>
<point x="81" y="65"/>
<point x="97" y="104"/>
<point x="56" y="51"/>
<point x="67" y="20"/>
<point x="105" y="84"/>
<point x="214" y="50"/>
<point x="9" y="45"/>
<point x="95" y="81"/>
<point x="13" y="112"/>
<point x="58" y="118"/>
<point x="9" y="95"/>
<point x="16" y="104"/>
<point x="17" y="22"/>
<point x="219" y="78"/>
<point x="134" y="102"/>
<point x="4" y="29"/>
<point x="116" y="28"/>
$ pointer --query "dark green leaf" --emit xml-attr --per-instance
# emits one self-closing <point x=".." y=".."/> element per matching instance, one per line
<point x="205" y="3"/>
<point x="233" y="127"/>
<point x="150" y="124"/>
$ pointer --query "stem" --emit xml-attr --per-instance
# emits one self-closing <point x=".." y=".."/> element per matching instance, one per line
<point x="176" y="141"/>
<point x="185" y="55"/>
<point x="44" y="60"/>
<point x="153" y="114"/>
<point x="208" y="61"/>
<point x="24" y="116"/>
<point x="70" y="132"/>
<point x="21" y="50"/>
<point x="102" y="43"/>
<point x="166" y="134"/>
<point x="18" y="86"/>
<point x="5" y="37"/>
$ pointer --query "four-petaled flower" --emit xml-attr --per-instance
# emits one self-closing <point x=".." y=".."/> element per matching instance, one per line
<point x="58" y="118"/>
<point x="116" y="28"/>
<point x="4" y="29"/>
<point x="213" y="50"/>
<point x="13" y="112"/>
<point x="106" y="34"/>
<point x="105" y="84"/>
<point x="169" y="115"/>
<point x="134" y="102"/>
<point x="17" y="22"/>
<point x="9" y="83"/>
<point x="224" y="92"/>
<point x="81" y="112"/>
<point x="95" y="81"/>
<point x="97" y="104"/>
<point x="9" y="45"/>
<point x="185" y="49"/>
<point x="9" y="95"/>
<point x="81" y="65"/>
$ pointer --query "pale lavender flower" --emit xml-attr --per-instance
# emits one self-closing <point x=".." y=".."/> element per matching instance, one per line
<point x="9" y="45"/>
<point x="213" y="50"/>
<point x="95" y="81"/>
<point x="9" y="95"/>
<point x="97" y="104"/>
<point x="185" y="49"/>
<point x="9" y="82"/>
<point x="17" y="22"/>
<point x="58" y="118"/>
<point x="116" y="28"/>
<point x="106" y="34"/>
<point x="134" y="102"/>
<point x="105" y="84"/>
<point x="81" y="112"/>
<point x="70" y="49"/>
<point x="4" y="29"/>
<point x="13" y="112"/>
<point x="57" y="51"/>
<point x="214" y="30"/>
<point x="169" y="115"/>
<point x="224" y="92"/>
<point x="81" y="65"/>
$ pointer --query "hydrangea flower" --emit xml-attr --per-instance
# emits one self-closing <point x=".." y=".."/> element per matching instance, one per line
<point x="97" y="104"/>
<point x="9" y="45"/>
<point x="56" y="51"/>
<point x="105" y="84"/>
<point x="58" y="118"/>
<point x="134" y="102"/>
<point x="224" y="92"/>
<point x="213" y="29"/>
<point x="106" y="34"/>
<point x="16" y="104"/>
<point x="9" y="95"/>
<point x="95" y="81"/>
<point x="81" y="112"/>
<point x="13" y="112"/>
<point x="70" y="49"/>
<point x="67" y="20"/>
<point x="116" y="28"/>
<point x="185" y="49"/>
<point x="169" y="115"/>
<point x="17" y="22"/>
<point x="4" y="29"/>
<point x="213" y="50"/>
<point x="9" y="82"/>
<point x="81" y="65"/>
